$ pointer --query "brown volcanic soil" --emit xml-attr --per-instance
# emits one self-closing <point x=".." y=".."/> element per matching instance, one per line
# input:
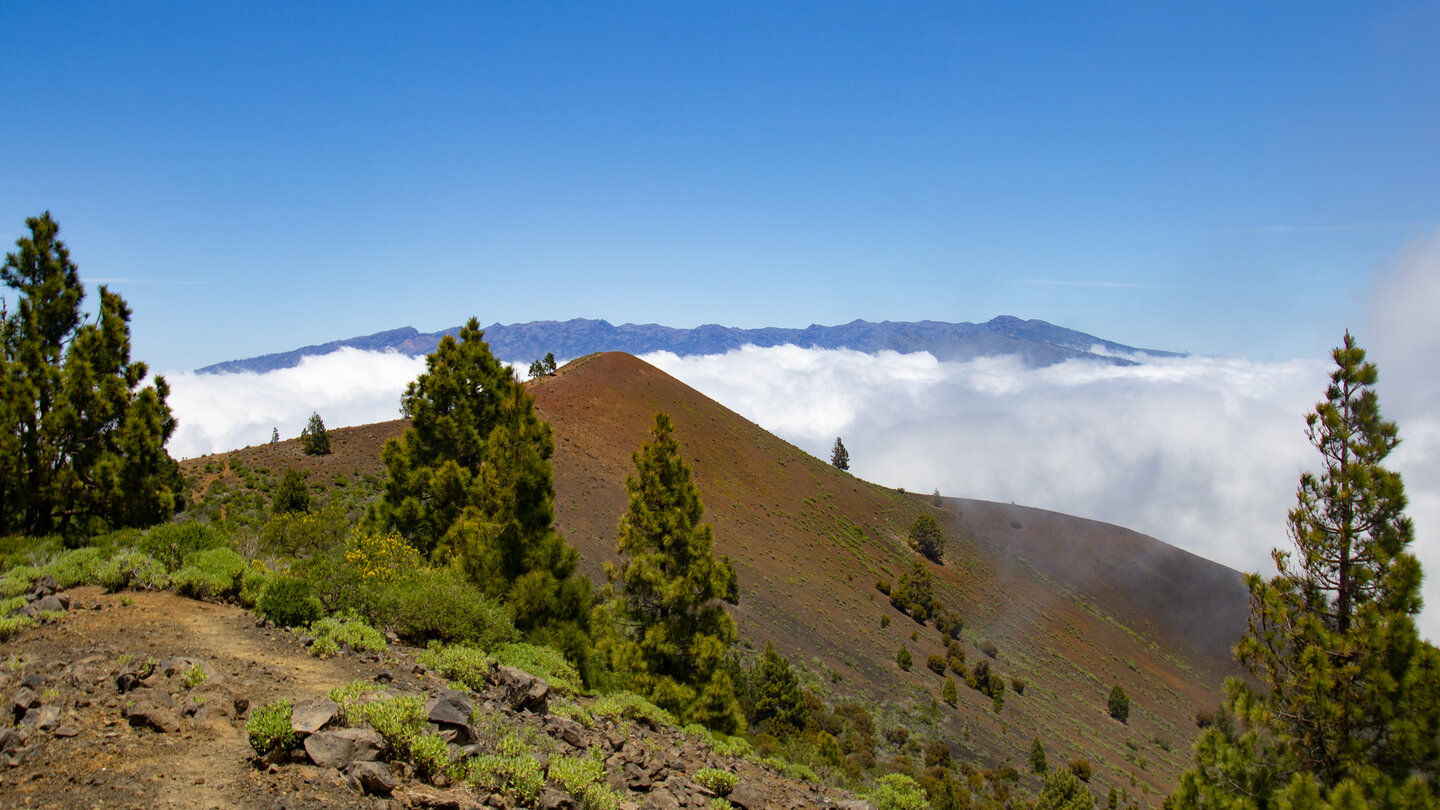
<point x="1073" y="605"/>
<point x="206" y="764"/>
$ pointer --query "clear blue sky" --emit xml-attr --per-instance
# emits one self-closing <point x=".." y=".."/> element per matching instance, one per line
<point x="1207" y="177"/>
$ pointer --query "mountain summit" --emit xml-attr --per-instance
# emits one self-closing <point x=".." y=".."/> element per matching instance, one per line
<point x="1038" y="343"/>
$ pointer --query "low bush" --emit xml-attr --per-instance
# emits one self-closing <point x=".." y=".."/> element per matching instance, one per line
<point x="431" y="755"/>
<point x="937" y="664"/>
<point x="79" y="566"/>
<point x="897" y="791"/>
<point x="716" y="780"/>
<point x="211" y="574"/>
<point x="171" y="543"/>
<point x="350" y="701"/>
<point x="400" y="720"/>
<point x="1018" y="684"/>
<point x="288" y="602"/>
<point x="542" y="662"/>
<point x="988" y="647"/>
<point x="134" y="570"/>
<point x="1081" y="769"/>
<point x="460" y="663"/>
<point x="629" y="706"/>
<point x="269" y="727"/>
<point x="349" y="630"/>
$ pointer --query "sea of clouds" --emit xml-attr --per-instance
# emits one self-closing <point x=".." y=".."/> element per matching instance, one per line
<point x="1201" y="452"/>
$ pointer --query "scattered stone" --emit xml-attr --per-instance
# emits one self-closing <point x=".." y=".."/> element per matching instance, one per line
<point x="747" y="795"/>
<point x="67" y="731"/>
<point x="523" y="691"/>
<point x="449" y="708"/>
<point x="384" y="676"/>
<point x="310" y="715"/>
<point x="372" y="777"/>
<point x="661" y="799"/>
<point x="340" y="747"/>
<point x="552" y="799"/>
<point x="152" y="708"/>
<point x="24" y="700"/>
<point x="44" y="718"/>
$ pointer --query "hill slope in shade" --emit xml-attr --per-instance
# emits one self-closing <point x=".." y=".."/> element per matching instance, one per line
<point x="1074" y="606"/>
<point x="1037" y="342"/>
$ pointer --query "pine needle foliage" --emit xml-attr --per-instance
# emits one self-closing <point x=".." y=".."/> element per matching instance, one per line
<point x="470" y="485"/>
<point x="1348" y="708"/>
<point x="671" y="627"/>
<point x="82" y="444"/>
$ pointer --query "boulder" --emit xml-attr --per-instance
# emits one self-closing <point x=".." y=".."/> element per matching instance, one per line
<point x="748" y="796"/>
<point x="372" y="777"/>
<point x="310" y="715"/>
<point x="522" y="690"/>
<point x="152" y="708"/>
<point x="552" y="799"/>
<point x="341" y="747"/>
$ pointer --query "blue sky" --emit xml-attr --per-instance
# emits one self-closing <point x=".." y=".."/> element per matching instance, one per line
<point x="1220" y="178"/>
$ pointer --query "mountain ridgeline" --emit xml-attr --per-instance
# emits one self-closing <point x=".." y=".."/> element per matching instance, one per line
<point x="1038" y="343"/>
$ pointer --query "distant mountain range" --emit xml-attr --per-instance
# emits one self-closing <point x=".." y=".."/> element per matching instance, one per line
<point x="1038" y="343"/>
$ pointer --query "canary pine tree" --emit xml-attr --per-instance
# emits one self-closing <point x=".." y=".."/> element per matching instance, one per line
<point x="470" y="484"/>
<point x="1348" y="708"/>
<point x="82" y="444"/>
<point x="671" y="629"/>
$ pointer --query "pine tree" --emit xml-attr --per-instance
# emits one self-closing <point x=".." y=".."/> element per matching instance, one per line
<point x="470" y="484"/>
<point x="82" y="445"/>
<point x="779" y="703"/>
<point x="839" y="456"/>
<point x="927" y="538"/>
<point x="1063" y="790"/>
<point x="314" y="438"/>
<point x="292" y="495"/>
<point x="949" y="693"/>
<point x="903" y="658"/>
<point x="1038" y="765"/>
<point x="672" y="630"/>
<point x="1118" y="704"/>
<point x="1349" y="706"/>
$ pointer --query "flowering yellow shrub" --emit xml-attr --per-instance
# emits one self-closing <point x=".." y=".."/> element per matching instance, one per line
<point x="382" y="557"/>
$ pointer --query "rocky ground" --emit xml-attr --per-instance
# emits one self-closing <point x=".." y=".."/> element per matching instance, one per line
<point x="106" y="706"/>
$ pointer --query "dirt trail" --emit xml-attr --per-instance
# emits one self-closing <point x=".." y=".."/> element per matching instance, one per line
<point x="206" y="764"/>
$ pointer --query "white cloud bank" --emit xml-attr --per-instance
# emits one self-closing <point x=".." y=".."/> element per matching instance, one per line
<point x="1203" y="453"/>
<point x="219" y="412"/>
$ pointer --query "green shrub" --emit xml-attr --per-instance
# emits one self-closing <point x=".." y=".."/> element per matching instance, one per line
<point x="1081" y="768"/>
<point x="629" y="706"/>
<point x="988" y="647"/>
<point x="9" y="626"/>
<point x="716" y="780"/>
<point x="351" y="699"/>
<point x="324" y="647"/>
<point x="211" y="574"/>
<point x="575" y="774"/>
<point x="252" y="583"/>
<point x="467" y="666"/>
<point x="305" y="534"/>
<point x="171" y="543"/>
<point x="883" y="586"/>
<point x="430" y="754"/>
<point x="194" y="676"/>
<point x="350" y="630"/>
<point x="936" y="664"/>
<point x="288" y="602"/>
<point x="569" y="710"/>
<point x="79" y="566"/>
<point x="400" y="720"/>
<point x="897" y="791"/>
<point x="903" y="658"/>
<point x="18" y="580"/>
<point x="542" y="662"/>
<point x="437" y="605"/>
<point x="135" y="570"/>
<point x="519" y="776"/>
<point x="269" y="727"/>
<point x="1018" y="684"/>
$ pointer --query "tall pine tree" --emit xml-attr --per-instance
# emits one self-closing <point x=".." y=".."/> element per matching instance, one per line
<point x="470" y="484"/>
<point x="1349" y="706"/>
<point x="671" y="627"/>
<point x="83" y="445"/>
